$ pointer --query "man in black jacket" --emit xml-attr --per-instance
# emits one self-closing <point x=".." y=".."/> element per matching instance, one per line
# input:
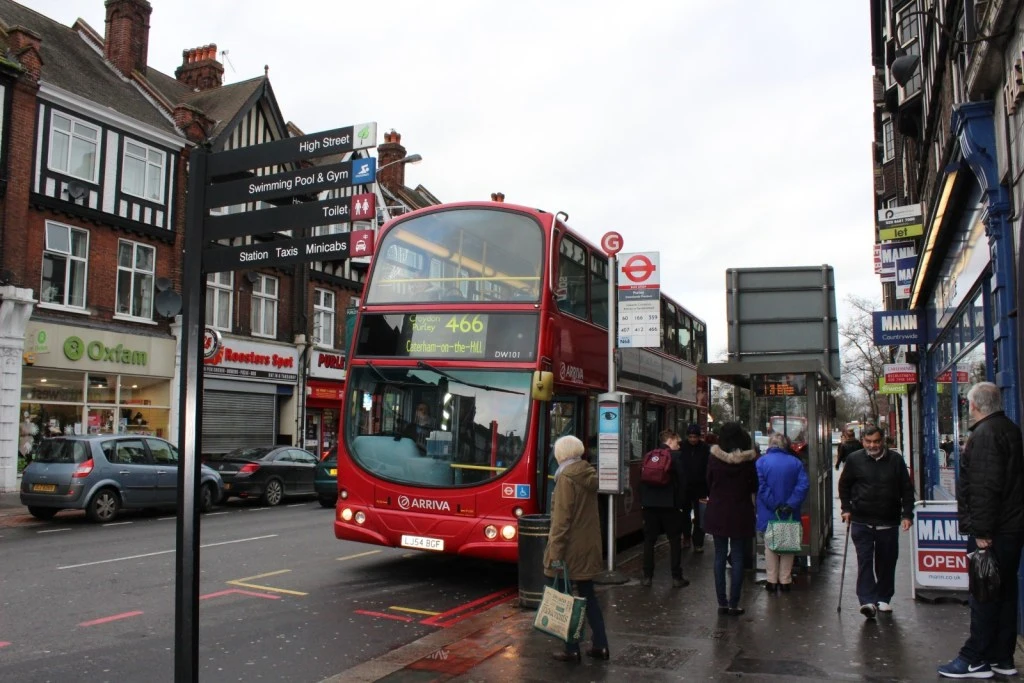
<point x="877" y="497"/>
<point x="990" y="505"/>
<point x="694" y="453"/>
<point x="847" y="447"/>
<point x="661" y="506"/>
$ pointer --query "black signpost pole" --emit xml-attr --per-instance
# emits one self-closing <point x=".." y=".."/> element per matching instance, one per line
<point x="186" y="576"/>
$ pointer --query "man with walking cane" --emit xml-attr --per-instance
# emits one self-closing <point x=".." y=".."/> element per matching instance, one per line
<point x="990" y="505"/>
<point x="877" y="497"/>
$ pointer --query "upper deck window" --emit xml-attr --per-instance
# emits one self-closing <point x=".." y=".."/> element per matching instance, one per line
<point x="459" y="255"/>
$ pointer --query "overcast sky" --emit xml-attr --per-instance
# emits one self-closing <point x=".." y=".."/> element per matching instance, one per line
<point x="722" y="133"/>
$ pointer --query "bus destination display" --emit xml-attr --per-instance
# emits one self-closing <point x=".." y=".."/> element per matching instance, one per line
<point x="476" y="336"/>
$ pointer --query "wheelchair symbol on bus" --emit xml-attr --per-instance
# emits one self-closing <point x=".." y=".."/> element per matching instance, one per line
<point x="518" y="491"/>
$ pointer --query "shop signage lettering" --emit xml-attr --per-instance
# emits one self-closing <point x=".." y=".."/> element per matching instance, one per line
<point x="75" y="348"/>
<point x="328" y="360"/>
<point x="896" y="327"/>
<point x="253" y="358"/>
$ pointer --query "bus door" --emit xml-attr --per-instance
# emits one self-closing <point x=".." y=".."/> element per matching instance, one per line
<point x="564" y="417"/>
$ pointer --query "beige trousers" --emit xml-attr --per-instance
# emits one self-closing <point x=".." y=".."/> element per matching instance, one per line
<point x="779" y="566"/>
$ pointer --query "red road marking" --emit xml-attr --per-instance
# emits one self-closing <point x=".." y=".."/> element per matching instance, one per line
<point x="4" y="643"/>
<point x="382" y="615"/>
<point x="104" y="620"/>
<point x="454" y="616"/>
<point x="240" y="592"/>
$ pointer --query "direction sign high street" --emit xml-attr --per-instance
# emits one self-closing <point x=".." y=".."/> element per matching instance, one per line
<point x="337" y="141"/>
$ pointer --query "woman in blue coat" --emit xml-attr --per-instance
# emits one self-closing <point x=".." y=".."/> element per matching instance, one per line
<point x="782" y="488"/>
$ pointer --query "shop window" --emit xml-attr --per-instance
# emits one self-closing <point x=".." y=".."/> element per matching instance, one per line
<point x="65" y="266"/>
<point x="323" y="318"/>
<point x="135" y="272"/>
<point x="571" y="291"/>
<point x="142" y="171"/>
<point x="74" y="147"/>
<point x="220" y="294"/>
<point x="264" y="306"/>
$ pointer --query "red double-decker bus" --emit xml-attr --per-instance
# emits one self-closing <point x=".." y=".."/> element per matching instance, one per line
<point x="480" y="339"/>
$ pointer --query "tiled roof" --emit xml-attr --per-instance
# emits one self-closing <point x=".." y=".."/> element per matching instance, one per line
<point x="71" y="64"/>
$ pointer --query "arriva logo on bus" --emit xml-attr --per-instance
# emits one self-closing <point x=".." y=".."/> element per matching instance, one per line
<point x="570" y="373"/>
<point x="407" y="503"/>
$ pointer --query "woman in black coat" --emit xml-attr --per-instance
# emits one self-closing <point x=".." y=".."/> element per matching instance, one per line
<point x="730" y="516"/>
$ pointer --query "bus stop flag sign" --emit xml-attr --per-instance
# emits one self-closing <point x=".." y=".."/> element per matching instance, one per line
<point x="639" y="300"/>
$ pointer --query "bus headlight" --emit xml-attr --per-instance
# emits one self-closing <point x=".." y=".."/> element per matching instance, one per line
<point x="508" y="532"/>
<point x="360" y="517"/>
<point x="343" y="494"/>
<point x="491" y="532"/>
<point x="518" y="512"/>
<point x="346" y="515"/>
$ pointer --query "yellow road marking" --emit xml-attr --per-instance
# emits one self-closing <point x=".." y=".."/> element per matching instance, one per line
<point x="410" y="610"/>
<point x="352" y="557"/>
<point x="243" y="583"/>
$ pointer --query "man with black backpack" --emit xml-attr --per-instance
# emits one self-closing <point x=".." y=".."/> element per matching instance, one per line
<point x="662" y="491"/>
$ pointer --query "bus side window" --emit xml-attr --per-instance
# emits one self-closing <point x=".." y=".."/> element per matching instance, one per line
<point x="571" y="288"/>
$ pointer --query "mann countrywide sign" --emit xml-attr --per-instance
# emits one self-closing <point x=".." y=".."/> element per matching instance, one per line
<point x="896" y="327"/>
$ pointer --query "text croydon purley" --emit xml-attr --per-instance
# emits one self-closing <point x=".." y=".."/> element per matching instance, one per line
<point x="298" y="180"/>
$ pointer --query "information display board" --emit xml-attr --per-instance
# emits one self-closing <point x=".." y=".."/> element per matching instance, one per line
<point x="483" y="336"/>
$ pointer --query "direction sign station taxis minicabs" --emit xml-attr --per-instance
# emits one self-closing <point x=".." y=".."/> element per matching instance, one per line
<point x="282" y="252"/>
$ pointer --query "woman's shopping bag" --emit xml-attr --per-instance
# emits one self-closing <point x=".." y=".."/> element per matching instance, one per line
<point x="784" y="535"/>
<point x="561" y="614"/>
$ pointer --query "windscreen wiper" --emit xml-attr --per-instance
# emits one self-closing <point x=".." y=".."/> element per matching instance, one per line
<point x="463" y="382"/>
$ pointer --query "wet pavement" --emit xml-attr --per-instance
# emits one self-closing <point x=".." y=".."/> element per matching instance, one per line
<point x="665" y="634"/>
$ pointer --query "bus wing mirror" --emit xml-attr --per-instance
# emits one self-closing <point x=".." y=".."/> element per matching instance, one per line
<point x="543" y="387"/>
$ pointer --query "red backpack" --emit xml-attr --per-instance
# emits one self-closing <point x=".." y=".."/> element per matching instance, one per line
<point x="656" y="469"/>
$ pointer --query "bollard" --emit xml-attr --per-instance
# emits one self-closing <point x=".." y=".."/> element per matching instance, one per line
<point x="533" y="540"/>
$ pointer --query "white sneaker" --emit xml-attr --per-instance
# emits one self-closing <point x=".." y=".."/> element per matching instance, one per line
<point x="884" y="607"/>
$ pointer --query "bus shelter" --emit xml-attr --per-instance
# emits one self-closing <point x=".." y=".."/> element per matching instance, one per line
<point x="794" y="397"/>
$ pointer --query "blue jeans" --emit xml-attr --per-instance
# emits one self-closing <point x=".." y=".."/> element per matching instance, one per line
<point x="877" y="553"/>
<point x="585" y="589"/>
<point x="735" y="549"/>
<point x="994" y="624"/>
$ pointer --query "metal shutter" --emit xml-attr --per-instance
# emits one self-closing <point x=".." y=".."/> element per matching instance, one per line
<point x="235" y="420"/>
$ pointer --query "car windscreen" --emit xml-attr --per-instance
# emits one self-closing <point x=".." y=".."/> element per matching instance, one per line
<point x="61" y="451"/>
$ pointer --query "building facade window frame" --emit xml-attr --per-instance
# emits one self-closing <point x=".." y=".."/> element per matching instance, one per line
<point x="150" y="163"/>
<point x="75" y="136"/>
<point x="888" y="140"/>
<point x="69" y="246"/>
<point x="323" y="317"/>
<point x="220" y="297"/>
<point x="264" y="306"/>
<point x="136" y="273"/>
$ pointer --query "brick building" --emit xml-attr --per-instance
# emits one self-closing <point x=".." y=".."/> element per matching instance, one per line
<point x="94" y="149"/>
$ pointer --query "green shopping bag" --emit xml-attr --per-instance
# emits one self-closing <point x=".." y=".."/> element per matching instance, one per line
<point x="561" y="614"/>
<point x="784" y="535"/>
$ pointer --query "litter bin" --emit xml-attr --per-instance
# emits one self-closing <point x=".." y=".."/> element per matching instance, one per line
<point x="533" y="540"/>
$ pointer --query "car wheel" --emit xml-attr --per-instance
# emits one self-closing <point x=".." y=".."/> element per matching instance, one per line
<point x="42" y="513"/>
<point x="104" y="506"/>
<point x="273" y="492"/>
<point x="207" y="497"/>
<point x="328" y="501"/>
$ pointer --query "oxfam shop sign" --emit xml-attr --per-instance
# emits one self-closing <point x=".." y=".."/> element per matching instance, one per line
<point x="76" y="347"/>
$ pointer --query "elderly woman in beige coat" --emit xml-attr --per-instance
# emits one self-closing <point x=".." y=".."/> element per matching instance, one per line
<point x="575" y="539"/>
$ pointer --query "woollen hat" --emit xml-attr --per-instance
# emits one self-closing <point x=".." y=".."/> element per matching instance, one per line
<point x="693" y="429"/>
<point x="732" y="437"/>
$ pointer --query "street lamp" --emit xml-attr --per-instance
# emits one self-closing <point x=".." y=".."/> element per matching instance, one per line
<point x="411" y="159"/>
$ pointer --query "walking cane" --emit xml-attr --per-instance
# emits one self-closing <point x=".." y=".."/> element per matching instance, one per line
<point x="842" y="577"/>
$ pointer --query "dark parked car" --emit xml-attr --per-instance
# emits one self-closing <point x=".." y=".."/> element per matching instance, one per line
<point x="103" y="473"/>
<point x="326" y="479"/>
<point x="268" y="473"/>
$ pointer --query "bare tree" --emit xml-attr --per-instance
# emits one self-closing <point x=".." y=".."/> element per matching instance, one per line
<point x="862" y="360"/>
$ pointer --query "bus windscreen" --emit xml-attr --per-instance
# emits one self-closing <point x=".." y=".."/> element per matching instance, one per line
<point x="487" y="255"/>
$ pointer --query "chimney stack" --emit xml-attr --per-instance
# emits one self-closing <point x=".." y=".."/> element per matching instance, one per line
<point x="497" y="196"/>
<point x="387" y="153"/>
<point x="200" y="69"/>
<point x="126" y="43"/>
<point x="24" y="46"/>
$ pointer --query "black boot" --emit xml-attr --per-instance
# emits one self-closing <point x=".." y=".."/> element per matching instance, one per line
<point x="785" y="587"/>
<point x="771" y="587"/>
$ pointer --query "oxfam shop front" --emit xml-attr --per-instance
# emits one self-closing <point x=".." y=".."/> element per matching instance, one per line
<point x="86" y="381"/>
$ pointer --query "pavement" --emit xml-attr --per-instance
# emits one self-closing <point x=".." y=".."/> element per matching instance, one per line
<point x="664" y="634"/>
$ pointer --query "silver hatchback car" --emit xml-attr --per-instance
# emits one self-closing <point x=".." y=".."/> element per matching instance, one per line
<point x="103" y="474"/>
